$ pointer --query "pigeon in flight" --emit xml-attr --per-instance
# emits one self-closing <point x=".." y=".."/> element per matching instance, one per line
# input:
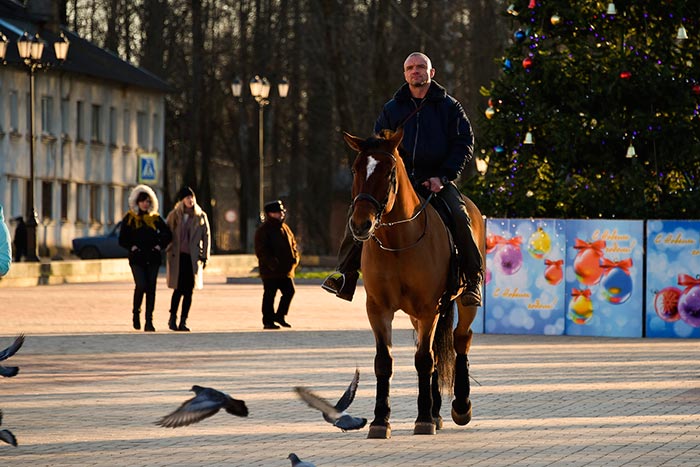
<point x="9" y="371"/>
<point x="6" y="435"/>
<point x="336" y="415"/>
<point x="205" y="403"/>
<point x="296" y="462"/>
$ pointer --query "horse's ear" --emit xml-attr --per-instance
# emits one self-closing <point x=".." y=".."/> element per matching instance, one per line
<point x="353" y="141"/>
<point x="397" y="137"/>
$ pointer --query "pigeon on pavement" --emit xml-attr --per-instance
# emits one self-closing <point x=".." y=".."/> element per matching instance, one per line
<point x="206" y="403"/>
<point x="6" y="435"/>
<point x="296" y="462"/>
<point x="9" y="371"/>
<point x="336" y="415"/>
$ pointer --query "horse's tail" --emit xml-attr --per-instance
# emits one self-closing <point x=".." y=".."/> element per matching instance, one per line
<point x="444" y="350"/>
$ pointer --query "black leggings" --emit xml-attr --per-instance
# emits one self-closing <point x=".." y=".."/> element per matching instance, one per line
<point x="145" y="278"/>
<point x="185" y="285"/>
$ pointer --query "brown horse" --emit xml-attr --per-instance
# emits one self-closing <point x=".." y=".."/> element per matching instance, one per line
<point x="405" y="266"/>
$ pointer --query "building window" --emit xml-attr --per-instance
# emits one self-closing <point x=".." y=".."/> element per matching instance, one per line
<point x="80" y="210"/>
<point x="111" y="193"/>
<point x="65" y="116"/>
<point x="46" y="200"/>
<point x="125" y="200"/>
<point x="14" y="112"/>
<point x="142" y="128"/>
<point x="127" y="128"/>
<point x="95" y="203"/>
<point x="96" y="126"/>
<point x="113" y="126"/>
<point x="156" y="131"/>
<point x="15" y="198"/>
<point x="79" y="130"/>
<point x="64" y="201"/>
<point x="46" y="114"/>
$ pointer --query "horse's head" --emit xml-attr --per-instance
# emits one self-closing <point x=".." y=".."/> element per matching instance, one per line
<point x="374" y="183"/>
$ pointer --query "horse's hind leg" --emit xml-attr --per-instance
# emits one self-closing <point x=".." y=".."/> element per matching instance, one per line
<point x="383" y="370"/>
<point x="462" y="405"/>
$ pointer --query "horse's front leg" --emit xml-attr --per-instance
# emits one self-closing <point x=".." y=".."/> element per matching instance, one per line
<point x="383" y="370"/>
<point x="425" y="366"/>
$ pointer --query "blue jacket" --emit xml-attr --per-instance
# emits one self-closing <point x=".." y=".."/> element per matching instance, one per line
<point x="5" y="248"/>
<point x="438" y="140"/>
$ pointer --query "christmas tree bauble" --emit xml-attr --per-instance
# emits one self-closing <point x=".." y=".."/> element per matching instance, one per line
<point x="539" y="244"/>
<point x="666" y="303"/>
<point x="689" y="306"/>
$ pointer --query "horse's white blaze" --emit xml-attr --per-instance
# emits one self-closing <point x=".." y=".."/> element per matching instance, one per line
<point x="371" y="165"/>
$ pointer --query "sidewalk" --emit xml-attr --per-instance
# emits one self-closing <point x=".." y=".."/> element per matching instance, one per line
<point x="90" y="388"/>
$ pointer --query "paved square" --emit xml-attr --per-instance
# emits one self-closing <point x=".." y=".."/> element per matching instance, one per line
<point x="90" y="388"/>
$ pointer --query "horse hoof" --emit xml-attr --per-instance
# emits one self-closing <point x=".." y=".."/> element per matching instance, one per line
<point x="438" y="422"/>
<point x="424" y="428"/>
<point x="462" y="419"/>
<point x="379" y="432"/>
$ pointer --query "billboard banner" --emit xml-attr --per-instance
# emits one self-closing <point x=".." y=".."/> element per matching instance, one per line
<point x="673" y="278"/>
<point x="604" y="277"/>
<point x="524" y="291"/>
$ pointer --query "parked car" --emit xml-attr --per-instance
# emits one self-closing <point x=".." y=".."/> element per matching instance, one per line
<point x="100" y="246"/>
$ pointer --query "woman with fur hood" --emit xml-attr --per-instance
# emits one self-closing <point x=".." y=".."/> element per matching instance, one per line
<point x="145" y="235"/>
<point x="187" y="255"/>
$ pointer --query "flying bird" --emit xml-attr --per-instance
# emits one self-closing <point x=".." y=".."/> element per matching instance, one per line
<point x="9" y="371"/>
<point x="296" y="462"/>
<point x="335" y="415"/>
<point x="6" y="435"/>
<point x="204" y="404"/>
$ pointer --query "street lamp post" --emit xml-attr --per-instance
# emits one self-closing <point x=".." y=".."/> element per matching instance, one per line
<point x="31" y="50"/>
<point x="260" y="90"/>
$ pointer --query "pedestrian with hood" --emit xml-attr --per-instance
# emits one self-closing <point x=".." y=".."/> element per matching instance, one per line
<point x="5" y="246"/>
<point x="187" y="255"/>
<point x="145" y="235"/>
<point x="278" y="257"/>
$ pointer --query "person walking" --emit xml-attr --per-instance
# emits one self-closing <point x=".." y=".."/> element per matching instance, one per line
<point x="278" y="257"/>
<point x="20" y="241"/>
<point x="187" y="255"/>
<point x="145" y="235"/>
<point x="437" y="144"/>
<point x="5" y="246"/>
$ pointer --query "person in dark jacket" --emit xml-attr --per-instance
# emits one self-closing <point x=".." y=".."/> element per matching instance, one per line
<point x="278" y="257"/>
<point x="437" y="144"/>
<point x="145" y="235"/>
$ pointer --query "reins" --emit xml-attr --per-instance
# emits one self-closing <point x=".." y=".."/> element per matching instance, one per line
<point x="390" y="224"/>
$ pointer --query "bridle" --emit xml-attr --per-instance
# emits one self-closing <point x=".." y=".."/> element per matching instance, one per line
<point x="381" y="207"/>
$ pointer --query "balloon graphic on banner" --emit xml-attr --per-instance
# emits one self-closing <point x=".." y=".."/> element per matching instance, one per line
<point x="580" y="307"/>
<point x="666" y="303"/>
<point x="616" y="281"/>
<point x="492" y="241"/>
<point x="553" y="273"/>
<point x="509" y="257"/>
<point x="689" y="302"/>
<point x="587" y="261"/>
<point x="539" y="243"/>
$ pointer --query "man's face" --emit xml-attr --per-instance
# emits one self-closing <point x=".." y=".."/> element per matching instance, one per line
<point x="417" y="71"/>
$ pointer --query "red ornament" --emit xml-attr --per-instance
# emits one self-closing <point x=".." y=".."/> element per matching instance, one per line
<point x="553" y="273"/>
<point x="533" y="4"/>
<point x="527" y="63"/>
<point x="696" y="89"/>
<point x="626" y="74"/>
<point x="587" y="261"/>
<point x="666" y="304"/>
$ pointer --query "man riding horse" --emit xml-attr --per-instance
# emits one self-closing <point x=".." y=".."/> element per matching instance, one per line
<point x="438" y="142"/>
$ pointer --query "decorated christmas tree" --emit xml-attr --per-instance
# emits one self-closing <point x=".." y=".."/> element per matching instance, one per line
<point x="596" y="112"/>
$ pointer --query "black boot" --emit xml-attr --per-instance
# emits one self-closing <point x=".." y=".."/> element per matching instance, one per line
<point x="148" y="327"/>
<point x="472" y="293"/>
<point x="342" y="285"/>
<point x="172" y="323"/>
<point x="183" y="321"/>
<point x="137" y="319"/>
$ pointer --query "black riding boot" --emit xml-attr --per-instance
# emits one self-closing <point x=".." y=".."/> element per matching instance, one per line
<point x="137" y="319"/>
<point x="172" y="323"/>
<point x="183" y="320"/>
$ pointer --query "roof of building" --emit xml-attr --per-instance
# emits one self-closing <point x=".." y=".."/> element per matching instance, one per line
<point x="84" y="57"/>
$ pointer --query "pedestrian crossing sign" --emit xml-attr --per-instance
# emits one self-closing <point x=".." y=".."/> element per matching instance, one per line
<point x="148" y="168"/>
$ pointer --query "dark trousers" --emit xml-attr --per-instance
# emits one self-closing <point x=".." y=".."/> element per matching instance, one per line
<point x="471" y="262"/>
<point x="145" y="279"/>
<point x="185" y="286"/>
<point x="271" y="286"/>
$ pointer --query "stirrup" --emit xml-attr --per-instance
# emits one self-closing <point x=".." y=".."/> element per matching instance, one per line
<point x="334" y="283"/>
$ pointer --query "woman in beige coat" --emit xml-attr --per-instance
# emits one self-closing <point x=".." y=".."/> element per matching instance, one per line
<point x="187" y="255"/>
